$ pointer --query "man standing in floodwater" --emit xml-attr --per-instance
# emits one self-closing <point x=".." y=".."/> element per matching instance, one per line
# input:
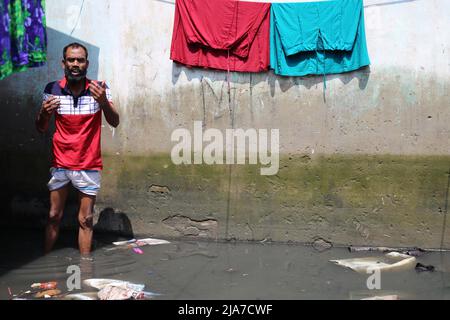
<point x="78" y="104"/>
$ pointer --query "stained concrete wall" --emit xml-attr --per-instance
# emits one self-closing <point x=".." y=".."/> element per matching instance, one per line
<point x="367" y="165"/>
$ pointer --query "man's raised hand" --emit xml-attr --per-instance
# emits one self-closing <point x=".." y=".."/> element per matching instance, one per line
<point x="99" y="92"/>
<point x="49" y="106"/>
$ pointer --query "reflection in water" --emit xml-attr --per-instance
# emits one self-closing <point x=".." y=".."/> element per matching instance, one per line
<point x="87" y="268"/>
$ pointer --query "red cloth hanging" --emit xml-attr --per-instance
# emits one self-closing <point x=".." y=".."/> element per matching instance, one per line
<point x="222" y="34"/>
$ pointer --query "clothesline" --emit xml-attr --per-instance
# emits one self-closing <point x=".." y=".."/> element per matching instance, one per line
<point x="366" y="6"/>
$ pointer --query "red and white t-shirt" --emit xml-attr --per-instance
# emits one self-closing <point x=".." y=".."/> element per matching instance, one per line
<point x="77" y="139"/>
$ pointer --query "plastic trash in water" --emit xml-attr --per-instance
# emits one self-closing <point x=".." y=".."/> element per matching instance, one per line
<point x="133" y="243"/>
<point x="101" y="283"/>
<point x="124" y="243"/>
<point x="123" y="292"/>
<point x="151" y="242"/>
<point x="138" y="251"/>
<point x="46" y="285"/>
<point x="47" y="294"/>
<point x="392" y="261"/>
<point x="141" y="242"/>
<point x="119" y="292"/>
<point x="111" y="289"/>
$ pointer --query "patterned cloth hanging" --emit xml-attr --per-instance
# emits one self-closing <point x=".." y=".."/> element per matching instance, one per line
<point x="23" y="38"/>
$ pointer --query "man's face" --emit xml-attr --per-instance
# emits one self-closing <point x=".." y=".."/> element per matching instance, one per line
<point x="75" y="65"/>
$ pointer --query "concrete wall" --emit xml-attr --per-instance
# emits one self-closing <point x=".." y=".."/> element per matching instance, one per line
<point x="367" y="165"/>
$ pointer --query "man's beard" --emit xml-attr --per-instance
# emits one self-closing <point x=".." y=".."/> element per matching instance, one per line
<point x="75" y="78"/>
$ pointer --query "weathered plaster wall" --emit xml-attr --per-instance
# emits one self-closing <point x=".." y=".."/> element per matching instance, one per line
<point x="368" y="165"/>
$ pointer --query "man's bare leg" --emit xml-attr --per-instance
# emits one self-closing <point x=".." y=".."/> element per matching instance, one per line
<point x="86" y="221"/>
<point x="57" y="202"/>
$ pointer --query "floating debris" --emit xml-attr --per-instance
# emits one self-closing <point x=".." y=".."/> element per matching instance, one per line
<point x="151" y="242"/>
<point x="423" y="268"/>
<point x="120" y="292"/>
<point x="111" y="289"/>
<point x="133" y="243"/>
<point x="101" y="283"/>
<point x="124" y="243"/>
<point x="393" y="297"/>
<point x="47" y="294"/>
<point x="392" y="261"/>
<point x="46" y="285"/>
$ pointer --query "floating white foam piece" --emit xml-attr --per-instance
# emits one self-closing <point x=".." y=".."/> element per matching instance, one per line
<point x="392" y="261"/>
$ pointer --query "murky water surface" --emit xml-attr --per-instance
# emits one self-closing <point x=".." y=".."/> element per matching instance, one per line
<point x="210" y="270"/>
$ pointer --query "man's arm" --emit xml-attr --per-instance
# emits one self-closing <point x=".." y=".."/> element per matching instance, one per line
<point x="45" y="114"/>
<point x="111" y="114"/>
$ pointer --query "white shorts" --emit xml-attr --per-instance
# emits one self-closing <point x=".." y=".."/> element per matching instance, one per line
<point x="87" y="182"/>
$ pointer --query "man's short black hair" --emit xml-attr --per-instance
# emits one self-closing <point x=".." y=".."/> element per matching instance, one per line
<point x="74" y="45"/>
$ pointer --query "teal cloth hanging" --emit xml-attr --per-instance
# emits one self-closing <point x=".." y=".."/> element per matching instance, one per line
<point x="318" y="38"/>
